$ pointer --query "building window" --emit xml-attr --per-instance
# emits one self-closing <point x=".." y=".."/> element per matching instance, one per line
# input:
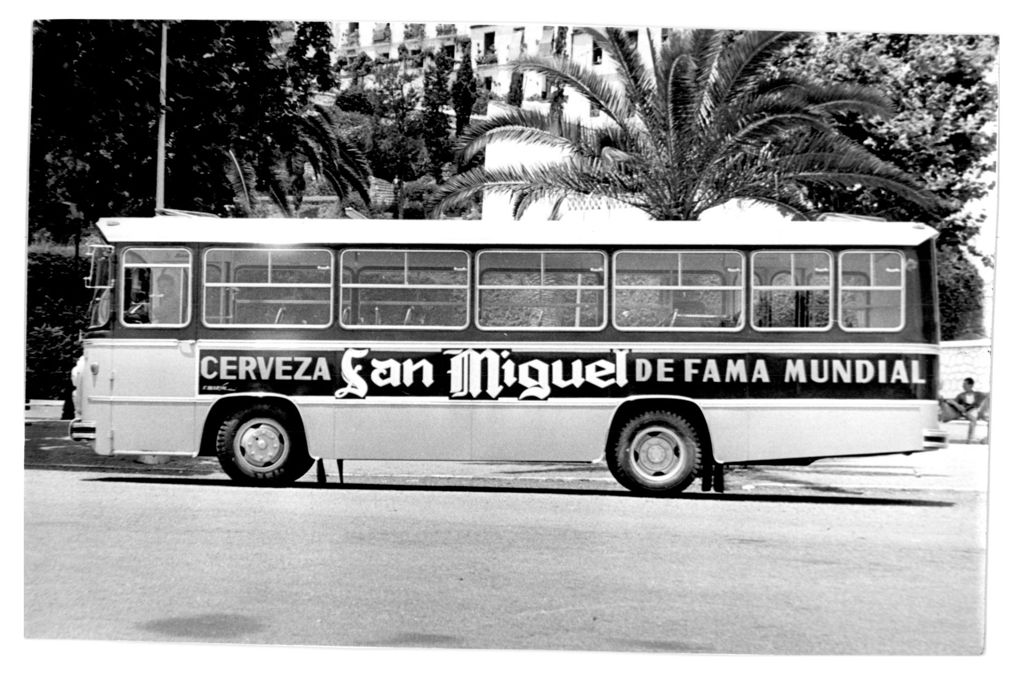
<point x="541" y="290"/>
<point x="678" y="290"/>
<point x="871" y="290"/>
<point x="281" y="288"/>
<point x="404" y="289"/>
<point x="792" y="290"/>
<point x="597" y="56"/>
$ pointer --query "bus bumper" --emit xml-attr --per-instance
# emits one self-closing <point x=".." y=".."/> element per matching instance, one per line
<point x="82" y="430"/>
<point x="935" y="439"/>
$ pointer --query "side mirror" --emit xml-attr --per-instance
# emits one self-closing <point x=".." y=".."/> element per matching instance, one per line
<point x="101" y="264"/>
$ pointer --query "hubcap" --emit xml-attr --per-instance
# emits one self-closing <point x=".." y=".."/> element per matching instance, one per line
<point x="261" y="443"/>
<point x="659" y="454"/>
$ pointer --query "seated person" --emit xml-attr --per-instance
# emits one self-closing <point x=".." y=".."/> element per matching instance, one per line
<point x="968" y="405"/>
<point x="167" y="305"/>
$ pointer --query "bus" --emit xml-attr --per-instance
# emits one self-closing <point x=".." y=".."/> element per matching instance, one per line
<point x="667" y="350"/>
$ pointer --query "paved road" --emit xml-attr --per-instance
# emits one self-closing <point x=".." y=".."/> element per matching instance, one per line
<point x="873" y="556"/>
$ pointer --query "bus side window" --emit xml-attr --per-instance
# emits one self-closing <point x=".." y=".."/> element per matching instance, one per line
<point x="261" y="287"/>
<point x="678" y="290"/>
<point x="541" y="290"/>
<point x="155" y="287"/>
<point x="871" y="292"/>
<point x="405" y="289"/>
<point x="798" y="294"/>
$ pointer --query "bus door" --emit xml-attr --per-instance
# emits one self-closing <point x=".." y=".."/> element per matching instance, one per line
<point x="153" y="388"/>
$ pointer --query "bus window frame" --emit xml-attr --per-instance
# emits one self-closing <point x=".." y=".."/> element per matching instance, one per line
<point x="186" y="297"/>
<point x="603" y="288"/>
<point x="329" y="285"/>
<point x="402" y="327"/>
<point x="902" y="289"/>
<point x="831" y="288"/>
<point x="742" y="287"/>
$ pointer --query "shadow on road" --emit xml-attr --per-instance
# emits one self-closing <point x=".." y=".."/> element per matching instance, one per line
<point x="539" y="490"/>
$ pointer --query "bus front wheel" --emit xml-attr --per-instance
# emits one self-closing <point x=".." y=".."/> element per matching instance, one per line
<point x="656" y="453"/>
<point x="260" y="445"/>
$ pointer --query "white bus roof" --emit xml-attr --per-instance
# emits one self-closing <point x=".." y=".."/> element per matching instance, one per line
<point x="280" y="231"/>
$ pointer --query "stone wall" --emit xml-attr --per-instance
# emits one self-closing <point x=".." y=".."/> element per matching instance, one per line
<point x="962" y="359"/>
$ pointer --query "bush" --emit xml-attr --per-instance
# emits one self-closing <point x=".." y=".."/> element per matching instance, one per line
<point x="355" y="100"/>
<point x="961" y="295"/>
<point x="56" y="307"/>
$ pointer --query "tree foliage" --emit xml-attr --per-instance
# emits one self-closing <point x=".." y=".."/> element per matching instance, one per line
<point x="55" y="313"/>
<point x="961" y="295"/>
<point x="93" y="123"/>
<point x="515" y="90"/>
<point x="942" y="131"/>
<point x="309" y="60"/>
<point x="557" y="95"/>
<point x="398" y="149"/>
<point x="95" y="108"/>
<point x="464" y="92"/>
<point x="436" y="123"/>
<point x="707" y="125"/>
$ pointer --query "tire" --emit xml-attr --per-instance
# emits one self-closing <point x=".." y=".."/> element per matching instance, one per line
<point x="656" y="453"/>
<point x="260" y="445"/>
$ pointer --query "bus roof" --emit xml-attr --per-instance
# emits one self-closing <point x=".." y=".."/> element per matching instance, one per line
<point x="280" y="231"/>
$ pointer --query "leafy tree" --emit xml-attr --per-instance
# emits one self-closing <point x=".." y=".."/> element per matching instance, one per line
<point x="464" y="92"/>
<point x="515" y="90"/>
<point x="557" y="95"/>
<point x="436" y="125"/>
<point x="397" y="133"/>
<point x="706" y="126"/>
<point x="943" y="128"/>
<point x="225" y="90"/>
<point x="943" y="131"/>
<point x="961" y="293"/>
<point x="55" y="313"/>
<point x="309" y="60"/>
<point x="358" y="67"/>
<point x="95" y="113"/>
<point x="93" y="123"/>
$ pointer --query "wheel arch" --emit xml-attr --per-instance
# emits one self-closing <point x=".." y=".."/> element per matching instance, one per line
<point x="231" y="403"/>
<point x="687" y="408"/>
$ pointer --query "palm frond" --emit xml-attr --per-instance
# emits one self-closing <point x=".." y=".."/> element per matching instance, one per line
<point x="705" y="48"/>
<point x="515" y="124"/>
<point x="277" y="179"/>
<point x="241" y="178"/>
<point x="583" y="80"/>
<point x="633" y="75"/>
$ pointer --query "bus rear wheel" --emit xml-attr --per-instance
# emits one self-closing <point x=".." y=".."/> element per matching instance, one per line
<point x="656" y="453"/>
<point x="260" y="445"/>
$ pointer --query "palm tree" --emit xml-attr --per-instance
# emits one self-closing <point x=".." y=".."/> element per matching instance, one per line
<point x="707" y="124"/>
<point x="314" y="138"/>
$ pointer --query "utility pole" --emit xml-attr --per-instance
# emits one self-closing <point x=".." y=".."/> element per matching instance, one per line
<point x="161" y="127"/>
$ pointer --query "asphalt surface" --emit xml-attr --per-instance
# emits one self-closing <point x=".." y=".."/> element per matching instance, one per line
<point x="882" y="555"/>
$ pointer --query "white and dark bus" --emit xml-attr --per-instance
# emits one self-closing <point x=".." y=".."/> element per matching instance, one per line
<point x="665" y="349"/>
